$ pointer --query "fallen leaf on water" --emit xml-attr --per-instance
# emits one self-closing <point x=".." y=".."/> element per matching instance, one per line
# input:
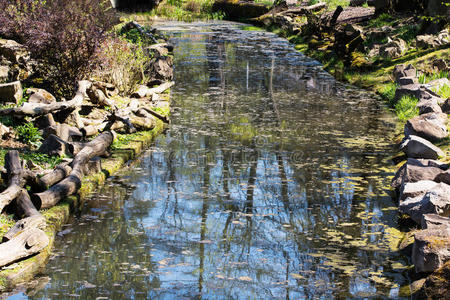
<point x="245" y="278"/>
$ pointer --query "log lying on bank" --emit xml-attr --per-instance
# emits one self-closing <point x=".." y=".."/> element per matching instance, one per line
<point x="144" y="91"/>
<point x="60" y="172"/>
<point x="24" y="207"/>
<point x="72" y="183"/>
<point x="304" y="10"/>
<point x="15" y="179"/>
<point x="24" y="244"/>
<point x="39" y="109"/>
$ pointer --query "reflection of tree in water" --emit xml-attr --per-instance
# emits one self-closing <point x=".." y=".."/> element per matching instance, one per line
<point x="226" y="209"/>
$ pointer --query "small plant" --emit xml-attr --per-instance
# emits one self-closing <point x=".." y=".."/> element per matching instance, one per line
<point x="443" y="91"/>
<point x="406" y="108"/>
<point x="41" y="159"/>
<point x="388" y="93"/>
<point x="425" y="78"/>
<point x="27" y="133"/>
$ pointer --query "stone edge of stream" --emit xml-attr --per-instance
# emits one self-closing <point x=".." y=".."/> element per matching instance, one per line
<point x="58" y="215"/>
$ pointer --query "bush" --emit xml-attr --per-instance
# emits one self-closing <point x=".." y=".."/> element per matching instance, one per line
<point x="63" y="35"/>
<point x="123" y="64"/>
<point x="27" y="133"/>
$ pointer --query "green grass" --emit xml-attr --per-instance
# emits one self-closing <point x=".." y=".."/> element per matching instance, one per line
<point x="405" y="108"/>
<point x="251" y="28"/>
<point x="443" y="91"/>
<point x="387" y="91"/>
<point x="41" y="159"/>
<point x="425" y="78"/>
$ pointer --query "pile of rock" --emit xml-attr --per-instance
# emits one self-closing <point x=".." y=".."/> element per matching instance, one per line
<point x="423" y="182"/>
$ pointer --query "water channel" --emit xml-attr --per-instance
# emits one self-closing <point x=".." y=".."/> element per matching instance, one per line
<point x="271" y="182"/>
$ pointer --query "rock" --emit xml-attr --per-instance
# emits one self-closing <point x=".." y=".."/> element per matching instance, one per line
<point x="434" y="220"/>
<point x="436" y="285"/>
<point x="428" y="126"/>
<point x="40" y="96"/>
<point x="438" y="83"/>
<point x="11" y="92"/>
<point x="407" y="80"/>
<point x="413" y="171"/>
<point x="446" y="106"/>
<point x="404" y="71"/>
<point x="14" y="51"/>
<point x="436" y="7"/>
<point x="54" y="145"/>
<point x="416" y="189"/>
<point x="4" y="74"/>
<point x="394" y="48"/>
<point x="440" y="65"/>
<point x="3" y="130"/>
<point x="427" y="106"/>
<point x="434" y="201"/>
<point x="430" y="41"/>
<point x="431" y="249"/>
<point x="443" y="177"/>
<point x="417" y="147"/>
<point x="413" y="90"/>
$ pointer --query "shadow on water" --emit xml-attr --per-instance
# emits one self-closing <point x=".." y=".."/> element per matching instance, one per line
<point x="272" y="182"/>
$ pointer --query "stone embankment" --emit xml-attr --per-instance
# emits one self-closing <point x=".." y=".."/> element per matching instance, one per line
<point x="423" y="181"/>
<point x="92" y="135"/>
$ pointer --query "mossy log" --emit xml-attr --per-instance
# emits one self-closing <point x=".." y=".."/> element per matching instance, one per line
<point x="72" y="183"/>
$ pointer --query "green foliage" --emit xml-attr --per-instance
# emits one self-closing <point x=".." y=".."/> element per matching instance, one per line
<point x="387" y="91"/>
<point x="27" y="133"/>
<point x="165" y="111"/>
<point x="443" y="91"/>
<point x="382" y="20"/>
<point x="41" y="159"/>
<point x="425" y="78"/>
<point x="186" y="10"/>
<point x="405" y="108"/>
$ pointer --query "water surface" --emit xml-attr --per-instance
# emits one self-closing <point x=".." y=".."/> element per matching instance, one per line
<point x="271" y="182"/>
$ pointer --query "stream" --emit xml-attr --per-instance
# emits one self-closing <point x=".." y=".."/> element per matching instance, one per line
<point x="271" y="182"/>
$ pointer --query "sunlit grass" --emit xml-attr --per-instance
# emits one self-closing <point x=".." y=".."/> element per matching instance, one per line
<point x="406" y="108"/>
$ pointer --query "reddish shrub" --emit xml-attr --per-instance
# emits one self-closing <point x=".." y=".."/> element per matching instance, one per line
<point x="64" y="35"/>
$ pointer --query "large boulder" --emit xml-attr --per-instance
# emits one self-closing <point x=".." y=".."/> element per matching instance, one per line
<point x="416" y="189"/>
<point x="431" y="249"/>
<point x="436" y="285"/>
<point x="438" y="83"/>
<point x="14" y="51"/>
<point x="429" y="126"/>
<point x="429" y="105"/>
<point x="417" y="147"/>
<point x="404" y="71"/>
<point x="11" y="92"/>
<point x="434" y="201"/>
<point x="426" y="41"/>
<point x="413" y="171"/>
<point x="40" y="96"/>
<point x="393" y="48"/>
<point x="434" y="220"/>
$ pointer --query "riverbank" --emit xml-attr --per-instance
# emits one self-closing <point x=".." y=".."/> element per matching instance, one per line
<point x="52" y="147"/>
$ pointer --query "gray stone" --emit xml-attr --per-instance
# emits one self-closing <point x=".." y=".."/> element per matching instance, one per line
<point x="434" y="201"/>
<point x="40" y="96"/>
<point x="407" y="80"/>
<point x="434" y="220"/>
<point x="11" y="92"/>
<point x="426" y="106"/>
<point x="431" y="249"/>
<point x="417" y="147"/>
<point x="446" y="106"/>
<point x="414" y="171"/>
<point x="393" y="49"/>
<point x="443" y="177"/>
<point x="14" y="51"/>
<point x="438" y="83"/>
<point x="416" y="189"/>
<point x="3" y="130"/>
<point x="429" y="126"/>
<point x="401" y="71"/>
<point x="4" y="74"/>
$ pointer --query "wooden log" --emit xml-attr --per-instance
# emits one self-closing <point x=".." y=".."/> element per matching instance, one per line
<point x="53" y="145"/>
<point x="98" y="97"/>
<point x="45" y="121"/>
<point x="154" y="113"/>
<point x="60" y="172"/>
<point x="39" y="109"/>
<point x="15" y="182"/>
<point x="142" y="123"/>
<point x="304" y="10"/>
<point x="24" y="244"/>
<point x="72" y="183"/>
<point x="24" y="207"/>
<point x="118" y="116"/>
<point x="145" y="91"/>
